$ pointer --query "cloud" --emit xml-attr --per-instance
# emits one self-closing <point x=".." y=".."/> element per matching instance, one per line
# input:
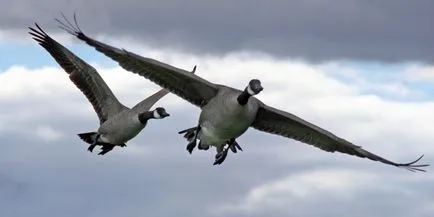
<point x="420" y="73"/>
<point x="292" y="189"/>
<point x="313" y="30"/>
<point x="48" y="133"/>
<point x="41" y="112"/>
<point x="319" y="188"/>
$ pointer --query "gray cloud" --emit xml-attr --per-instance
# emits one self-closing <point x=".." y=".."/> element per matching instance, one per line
<point x="155" y="176"/>
<point x="390" y="30"/>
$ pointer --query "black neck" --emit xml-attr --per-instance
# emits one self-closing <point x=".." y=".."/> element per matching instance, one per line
<point x="145" y="116"/>
<point x="243" y="98"/>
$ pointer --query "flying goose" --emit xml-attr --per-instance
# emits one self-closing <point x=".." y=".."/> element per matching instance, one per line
<point x="118" y="123"/>
<point x="226" y="113"/>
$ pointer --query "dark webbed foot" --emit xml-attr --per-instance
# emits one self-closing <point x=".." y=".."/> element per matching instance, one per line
<point x="191" y="136"/>
<point x="106" y="148"/>
<point x="233" y="149"/>
<point x="94" y="143"/>
<point x="233" y="145"/>
<point x="188" y="133"/>
<point x="220" y="157"/>
<point x="91" y="147"/>
<point x="191" y="146"/>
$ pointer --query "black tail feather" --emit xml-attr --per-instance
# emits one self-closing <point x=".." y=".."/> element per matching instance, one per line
<point x="189" y="133"/>
<point x="88" y="137"/>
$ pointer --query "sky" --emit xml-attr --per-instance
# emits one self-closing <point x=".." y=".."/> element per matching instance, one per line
<point x="360" y="69"/>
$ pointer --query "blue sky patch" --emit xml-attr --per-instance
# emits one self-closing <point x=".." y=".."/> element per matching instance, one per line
<point x="34" y="56"/>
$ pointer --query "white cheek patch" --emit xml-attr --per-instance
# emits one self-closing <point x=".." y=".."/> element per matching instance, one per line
<point x="250" y="91"/>
<point x="156" y="115"/>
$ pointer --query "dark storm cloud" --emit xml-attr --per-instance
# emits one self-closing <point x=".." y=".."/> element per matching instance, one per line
<point x="389" y="30"/>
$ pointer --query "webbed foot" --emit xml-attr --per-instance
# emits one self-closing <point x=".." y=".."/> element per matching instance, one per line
<point x="220" y="157"/>
<point x="234" y="146"/>
<point x="106" y="148"/>
<point x="191" y="146"/>
<point x="94" y="143"/>
<point x="91" y="147"/>
<point x="191" y="135"/>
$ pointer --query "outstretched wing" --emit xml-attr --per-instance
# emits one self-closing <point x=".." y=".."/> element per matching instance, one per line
<point x="186" y="85"/>
<point x="147" y="103"/>
<point x="84" y="76"/>
<point x="282" y="123"/>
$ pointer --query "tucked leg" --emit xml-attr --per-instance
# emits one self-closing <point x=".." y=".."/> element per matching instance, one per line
<point x="221" y="155"/>
<point x="94" y="143"/>
<point x="200" y="146"/>
<point x="191" y="135"/>
<point x="106" y="148"/>
<point x="233" y="145"/>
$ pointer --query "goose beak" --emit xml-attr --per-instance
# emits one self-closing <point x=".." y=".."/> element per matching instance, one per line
<point x="258" y="88"/>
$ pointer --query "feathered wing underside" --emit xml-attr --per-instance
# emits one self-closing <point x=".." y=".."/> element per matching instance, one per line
<point x="282" y="123"/>
<point x="147" y="103"/>
<point x="84" y="76"/>
<point x="188" y="86"/>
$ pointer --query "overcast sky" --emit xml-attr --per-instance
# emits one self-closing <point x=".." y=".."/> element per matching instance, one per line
<point x="311" y="58"/>
<point x="315" y="30"/>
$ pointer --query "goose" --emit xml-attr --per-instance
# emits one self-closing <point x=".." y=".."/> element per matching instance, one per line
<point x="118" y="123"/>
<point x="226" y="112"/>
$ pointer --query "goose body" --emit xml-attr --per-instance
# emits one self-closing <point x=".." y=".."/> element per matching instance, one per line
<point x="121" y="128"/>
<point x="118" y="123"/>
<point x="226" y="113"/>
<point x="223" y="118"/>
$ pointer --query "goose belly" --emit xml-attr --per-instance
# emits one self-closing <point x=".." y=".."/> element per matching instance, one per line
<point x="119" y="132"/>
<point x="218" y="126"/>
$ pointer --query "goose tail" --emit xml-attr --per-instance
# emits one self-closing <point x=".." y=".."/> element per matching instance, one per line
<point x="88" y="137"/>
<point x="189" y="133"/>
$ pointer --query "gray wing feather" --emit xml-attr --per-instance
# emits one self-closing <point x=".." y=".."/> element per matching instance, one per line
<point x="282" y="123"/>
<point x="84" y="76"/>
<point x="147" y="103"/>
<point x="188" y="86"/>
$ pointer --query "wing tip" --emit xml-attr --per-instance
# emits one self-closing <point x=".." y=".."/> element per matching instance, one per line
<point x="411" y="166"/>
<point x="69" y="27"/>
<point x="38" y="34"/>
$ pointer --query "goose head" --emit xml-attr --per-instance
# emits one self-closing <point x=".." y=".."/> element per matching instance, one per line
<point x="254" y="87"/>
<point x="160" y="113"/>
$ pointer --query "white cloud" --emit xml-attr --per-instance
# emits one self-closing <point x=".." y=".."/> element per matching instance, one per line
<point x="286" y="195"/>
<point x="305" y="90"/>
<point x="301" y="187"/>
<point x="396" y="129"/>
<point x="48" y="133"/>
